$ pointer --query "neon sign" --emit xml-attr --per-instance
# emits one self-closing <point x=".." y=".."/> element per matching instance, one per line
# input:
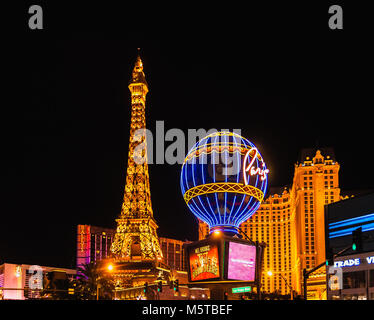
<point x="204" y="263"/>
<point x="347" y="263"/>
<point x="262" y="172"/>
<point x="223" y="180"/>
<point x="353" y="262"/>
<point x="241" y="262"/>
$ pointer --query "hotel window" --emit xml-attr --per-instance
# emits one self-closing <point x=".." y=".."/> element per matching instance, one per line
<point x="371" y="277"/>
<point x="354" y="280"/>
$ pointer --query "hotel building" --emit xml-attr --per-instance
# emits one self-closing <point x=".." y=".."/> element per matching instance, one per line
<point x="291" y="222"/>
<point x="93" y="244"/>
<point x="174" y="253"/>
<point x="15" y="280"/>
<point x="355" y="279"/>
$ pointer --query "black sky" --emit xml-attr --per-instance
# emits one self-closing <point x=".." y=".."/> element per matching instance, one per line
<point x="276" y="72"/>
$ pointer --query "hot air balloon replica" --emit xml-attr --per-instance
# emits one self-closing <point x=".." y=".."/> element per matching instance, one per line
<point x="224" y="180"/>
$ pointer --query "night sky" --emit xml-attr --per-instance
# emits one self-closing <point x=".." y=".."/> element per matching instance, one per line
<point x="275" y="72"/>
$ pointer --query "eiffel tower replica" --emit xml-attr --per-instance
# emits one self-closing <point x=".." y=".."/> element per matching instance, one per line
<point x="136" y="247"/>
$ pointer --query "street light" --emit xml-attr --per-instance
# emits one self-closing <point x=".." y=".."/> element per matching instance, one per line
<point x="245" y="235"/>
<point x="270" y="274"/>
<point x="217" y="232"/>
<point x="110" y="267"/>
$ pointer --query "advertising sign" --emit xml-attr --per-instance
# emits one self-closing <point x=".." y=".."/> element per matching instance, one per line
<point x="241" y="262"/>
<point x="204" y="262"/>
<point x="242" y="289"/>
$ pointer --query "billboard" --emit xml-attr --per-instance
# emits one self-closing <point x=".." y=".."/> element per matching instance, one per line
<point x="344" y="217"/>
<point x="241" y="263"/>
<point x="204" y="262"/>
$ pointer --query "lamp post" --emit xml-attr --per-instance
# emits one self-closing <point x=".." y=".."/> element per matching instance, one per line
<point x="97" y="287"/>
<point x="109" y="268"/>
<point x="287" y="284"/>
<point x="270" y="274"/>
<point x="250" y="240"/>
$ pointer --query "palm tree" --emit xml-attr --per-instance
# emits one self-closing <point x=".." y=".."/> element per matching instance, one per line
<point x="93" y="283"/>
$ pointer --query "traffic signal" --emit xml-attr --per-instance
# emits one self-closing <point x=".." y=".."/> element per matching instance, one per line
<point x="330" y="258"/>
<point x="159" y="286"/>
<point x="226" y="295"/>
<point x="357" y="240"/>
<point x="145" y="287"/>
<point x="176" y="285"/>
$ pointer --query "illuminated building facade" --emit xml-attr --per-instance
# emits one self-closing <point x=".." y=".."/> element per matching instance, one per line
<point x="356" y="279"/>
<point x="291" y="222"/>
<point x="174" y="253"/>
<point x="93" y="243"/>
<point x="15" y="280"/>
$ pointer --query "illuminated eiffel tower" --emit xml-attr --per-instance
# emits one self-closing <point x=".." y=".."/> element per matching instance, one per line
<point x="136" y="238"/>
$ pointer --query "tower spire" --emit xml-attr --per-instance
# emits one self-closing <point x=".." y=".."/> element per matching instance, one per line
<point x="137" y="73"/>
<point x="136" y="236"/>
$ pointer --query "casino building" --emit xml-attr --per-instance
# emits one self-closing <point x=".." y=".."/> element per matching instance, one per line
<point x="352" y="275"/>
<point x="15" y="280"/>
<point x="93" y="244"/>
<point x="291" y="221"/>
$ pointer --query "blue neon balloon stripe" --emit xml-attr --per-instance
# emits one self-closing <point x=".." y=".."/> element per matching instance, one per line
<point x="214" y="181"/>
<point x="194" y="182"/>
<point x="237" y="155"/>
<point x="205" y="161"/>
<point x="225" y="202"/>
<point x="239" y="208"/>
<point x="251" y="211"/>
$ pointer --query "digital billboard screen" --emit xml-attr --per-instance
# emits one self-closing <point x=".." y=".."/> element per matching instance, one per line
<point x="241" y="262"/>
<point x="204" y="262"/>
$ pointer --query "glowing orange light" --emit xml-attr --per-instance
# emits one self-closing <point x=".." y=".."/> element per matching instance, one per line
<point x="110" y="267"/>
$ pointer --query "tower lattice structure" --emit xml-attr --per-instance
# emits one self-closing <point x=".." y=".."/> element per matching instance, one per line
<point x="136" y="237"/>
